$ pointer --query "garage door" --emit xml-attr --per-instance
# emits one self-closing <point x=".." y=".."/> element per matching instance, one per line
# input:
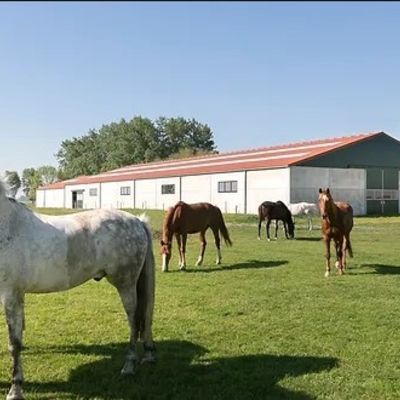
<point x="382" y="191"/>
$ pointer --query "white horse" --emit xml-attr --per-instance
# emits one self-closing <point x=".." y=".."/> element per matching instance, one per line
<point x="40" y="254"/>
<point x="307" y="209"/>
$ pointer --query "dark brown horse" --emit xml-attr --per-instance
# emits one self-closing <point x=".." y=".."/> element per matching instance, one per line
<point x="184" y="219"/>
<point x="336" y="224"/>
<point x="269" y="210"/>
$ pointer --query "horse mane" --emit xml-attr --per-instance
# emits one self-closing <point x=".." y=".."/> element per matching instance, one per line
<point x="169" y="218"/>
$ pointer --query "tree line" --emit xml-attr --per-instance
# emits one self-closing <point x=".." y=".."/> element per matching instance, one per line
<point x="116" y="145"/>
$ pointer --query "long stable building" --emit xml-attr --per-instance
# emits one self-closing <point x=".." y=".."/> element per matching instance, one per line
<point x="361" y="169"/>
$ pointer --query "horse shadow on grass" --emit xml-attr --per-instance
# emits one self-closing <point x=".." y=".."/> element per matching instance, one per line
<point x="182" y="371"/>
<point x="309" y="239"/>
<point x="251" y="264"/>
<point x="383" y="269"/>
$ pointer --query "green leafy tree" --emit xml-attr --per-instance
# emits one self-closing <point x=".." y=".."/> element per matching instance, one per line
<point x="47" y="174"/>
<point x="14" y="182"/>
<point x="130" y="142"/>
<point x="30" y="182"/>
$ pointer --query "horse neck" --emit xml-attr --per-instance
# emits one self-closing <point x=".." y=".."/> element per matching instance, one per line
<point x="168" y="225"/>
<point x="332" y="212"/>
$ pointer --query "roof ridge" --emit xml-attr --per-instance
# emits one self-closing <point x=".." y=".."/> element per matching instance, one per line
<point x="185" y="163"/>
<point x="273" y="147"/>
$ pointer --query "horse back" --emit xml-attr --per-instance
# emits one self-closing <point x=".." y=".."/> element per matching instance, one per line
<point x="346" y="212"/>
<point x="193" y="218"/>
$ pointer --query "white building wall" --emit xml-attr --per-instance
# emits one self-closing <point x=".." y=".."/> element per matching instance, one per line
<point x="111" y="196"/>
<point x="40" y="198"/>
<point x="146" y="194"/>
<point x="53" y="198"/>
<point x="267" y="185"/>
<point x="91" y="201"/>
<point x="166" y="200"/>
<point x="196" y="188"/>
<point x="228" y="202"/>
<point x="345" y="184"/>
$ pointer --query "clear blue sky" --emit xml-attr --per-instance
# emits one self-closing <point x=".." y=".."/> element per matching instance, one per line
<point x="257" y="73"/>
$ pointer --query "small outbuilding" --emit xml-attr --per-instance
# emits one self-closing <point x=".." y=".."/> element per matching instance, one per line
<point x="361" y="169"/>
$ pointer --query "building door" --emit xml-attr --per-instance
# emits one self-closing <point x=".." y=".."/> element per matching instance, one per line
<point x="382" y="191"/>
<point x="77" y="199"/>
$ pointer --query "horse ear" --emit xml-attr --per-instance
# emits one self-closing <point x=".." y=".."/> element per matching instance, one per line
<point x="327" y="190"/>
<point x="320" y="190"/>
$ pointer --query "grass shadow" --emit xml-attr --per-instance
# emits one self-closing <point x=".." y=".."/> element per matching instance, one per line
<point x="181" y="372"/>
<point x="252" y="264"/>
<point x="309" y="239"/>
<point x="383" y="269"/>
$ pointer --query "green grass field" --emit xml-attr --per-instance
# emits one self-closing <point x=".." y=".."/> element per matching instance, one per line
<point x="264" y="325"/>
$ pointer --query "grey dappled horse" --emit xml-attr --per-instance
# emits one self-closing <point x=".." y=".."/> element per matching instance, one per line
<point x="40" y="254"/>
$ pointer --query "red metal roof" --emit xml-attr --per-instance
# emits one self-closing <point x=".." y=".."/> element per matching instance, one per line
<point x="259" y="158"/>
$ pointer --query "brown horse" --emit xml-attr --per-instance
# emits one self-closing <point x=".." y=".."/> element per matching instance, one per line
<point x="184" y="219"/>
<point x="269" y="210"/>
<point x="336" y="224"/>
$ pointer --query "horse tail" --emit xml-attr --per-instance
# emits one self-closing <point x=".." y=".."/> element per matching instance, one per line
<point x="223" y="229"/>
<point x="146" y="286"/>
<point x="348" y="245"/>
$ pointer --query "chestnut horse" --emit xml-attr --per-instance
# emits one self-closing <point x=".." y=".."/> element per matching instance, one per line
<point x="184" y="219"/>
<point x="336" y="224"/>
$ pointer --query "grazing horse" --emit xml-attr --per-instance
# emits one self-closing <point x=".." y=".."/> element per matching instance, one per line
<point x="268" y="210"/>
<point x="303" y="208"/>
<point x="336" y="224"/>
<point x="184" y="219"/>
<point x="41" y="254"/>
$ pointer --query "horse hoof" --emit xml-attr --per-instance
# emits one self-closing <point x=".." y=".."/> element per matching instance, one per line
<point x="259" y="238"/>
<point x="148" y="358"/>
<point x="128" y="369"/>
<point x="268" y="240"/>
<point x="183" y="269"/>
<point x="327" y="274"/>
<point x="15" y="394"/>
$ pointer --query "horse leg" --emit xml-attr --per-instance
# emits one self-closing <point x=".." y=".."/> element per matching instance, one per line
<point x="285" y="229"/>
<point x="267" y="229"/>
<point x="183" y="252"/>
<point x="259" y="228"/>
<point x="179" y="244"/>
<point x="339" y="255"/>
<point x="126" y="287"/>
<point x="217" y="245"/>
<point x="328" y="257"/>
<point x="276" y="229"/>
<point x="203" y="244"/>
<point x="14" y="311"/>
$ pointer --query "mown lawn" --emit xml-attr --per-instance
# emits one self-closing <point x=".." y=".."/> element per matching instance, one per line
<point x="264" y="325"/>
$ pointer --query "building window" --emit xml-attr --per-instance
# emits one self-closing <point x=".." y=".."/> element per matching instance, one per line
<point x="125" y="191"/>
<point x="167" y="189"/>
<point x="227" y="187"/>
<point x="93" y="192"/>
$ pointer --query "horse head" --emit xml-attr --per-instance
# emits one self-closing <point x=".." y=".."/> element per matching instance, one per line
<point x="324" y="202"/>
